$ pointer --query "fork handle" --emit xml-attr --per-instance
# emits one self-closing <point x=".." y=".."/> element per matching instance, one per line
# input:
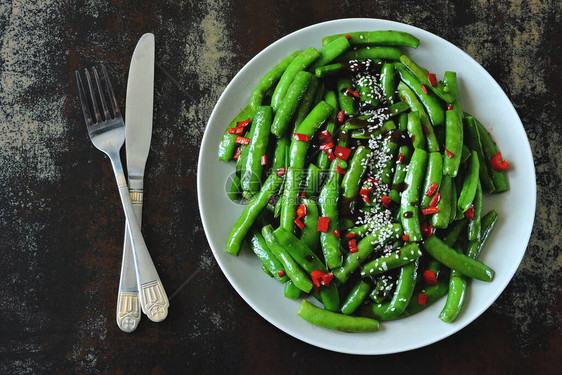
<point x="153" y="298"/>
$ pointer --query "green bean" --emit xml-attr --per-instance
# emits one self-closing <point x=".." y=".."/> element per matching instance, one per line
<point x="381" y="290"/>
<point x="453" y="143"/>
<point x="397" y="108"/>
<point x="404" y="290"/>
<point x="398" y="185"/>
<point x="409" y="97"/>
<point x="250" y="213"/>
<point x="332" y="69"/>
<point x="379" y="38"/>
<point x="376" y="52"/>
<point x="332" y="320"/>
<point x="390" y="148"/>
<point x="281" y="149"/>
<point x="454" y="233"/>
<point x="266" y="271"/>
<point x="455" y="296"/>
<point x="301" y="253"/>
<point x="410" y="199"/>
<point x="288" y="107"/>
<point x="470" y="184"/>
<point x="320" y="92"/>
<point x="328" y="204"/>
<point x="399" y="258"/>
<point x="332" y="99"/>
<point x="312" y="181"/>
<point x="457" y="261"/>
<point x="415" y="130"/>
<point x="473" y="141"/>
<point x="403" y="122"/>
<point x="488" y="222"/>
<point x="354" y="299"/>
<point x="251" y="175"/>
<point x="308" y="101"/>
<point x="331" y="51"/>
<point x="441" y="219"/>
<point x="434" y="175"/>
<point x="475" y="224"/>
<point x="292" y="269"/>
<point x="355" y="172"/>
<point x="490" y="150"/>
<point x="430" y="102"/>
<point x="422" y="75"/>
<point x="309" y="234"/>
<point x="291" y="291"/>
<point x="301" y="62"/>
<point x="290" y="196"/>
<point x="347" y="103"/>
<point x="365" y="247"/>
<point x="227" y="146"/>
<point x="235" y="192"/>
<point x="371" y="133"/>
<point x="366" y="97"/>
<point x="270" y="79"/>
<point x="330" y="297"/>
<point x="388" y="82"/>
<point x="241" y="161"/>
<point x="270" y="262"/>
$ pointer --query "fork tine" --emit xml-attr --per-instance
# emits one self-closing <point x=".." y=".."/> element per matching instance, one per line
<point x="110" y="92"/>
<point x="83" y="100"/>
<point x="102" y="98"/>
<point x="93" y="96"/>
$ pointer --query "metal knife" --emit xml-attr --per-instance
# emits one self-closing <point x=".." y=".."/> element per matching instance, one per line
<point x="138" y="118"/>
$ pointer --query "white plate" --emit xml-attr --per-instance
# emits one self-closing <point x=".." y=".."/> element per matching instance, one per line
<point x="480" y="95"/>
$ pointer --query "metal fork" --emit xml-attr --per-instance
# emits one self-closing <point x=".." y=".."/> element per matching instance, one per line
<point x="108" y="135"/>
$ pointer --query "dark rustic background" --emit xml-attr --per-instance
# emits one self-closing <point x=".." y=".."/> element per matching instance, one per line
<point x="62" y="227"/>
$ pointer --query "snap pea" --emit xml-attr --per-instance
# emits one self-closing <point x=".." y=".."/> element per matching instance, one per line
<point x="409" y="97"/>
<point x="301" y="253"/>
<point x="455" y="295"/>
<point x="390" y="148"/>
<point x="328" y="204"/>
<point x="356" y="170"/>
<point x="332" y="69"/>
<point x="366" y="97"/>
<point x="332" y="99"/>
<point x="398" y="185"/>
<point x="235" y="192"/>
<point x="415" y="130"/>
<point x="450" y="81"/>
<point x="441" y="219"/>
<point x="410" y="200"/>
<point x="241" y="161"/>
<point x="381" y="290"/>
<point x="376" y="52"/>
<point x="281" y="149"/>
<point x="299" y="63"/>
<point x="355" y="297"/>
<point x="403" y="122"/>
<point x="379" y="38"/>
<point x="404" y="290"/>
<point x="332" y="320"/>
<point x="490" y="150"/>
<point x="472" y="139"/>
<point x="266" y="271"/>
<point x="292" y="269"/>
<point x="308" y="101"/>
<point x="270" y="79"/>
<point x="454" y="199"/>
<point x="290" y="196"/>
<point x="455" y="232"/>
<point x="465" y="154"/>
<point x="453" y="143"/>
<point x="227" y="145"/>
<point x="433" y="293"/>
<point x="365" y="247"/>
<point x="286" y="110"/>
<point x="430" y="102"/>
<point x="488" y="222"/>
<point x="388" y="82"/>
<point x="330" y="297"/>
<point x="370" y="133"/>
<point x="250" y="213"/>
<point x="457" y="261"/>
<point x="347" y="103"/>
<point x="309" y="234"/>
<point x="470" y="184"/>
<point x="421" y="74"/>
<point x="251" y="175"/>
<point x="331" y="51"/>
<point x="399" y="258"/>
<point x="320" y="92"/>
<point x="475" y="224"/>
<point x="291" y="291"/>
<point x="312" y="180"/>
<point x="270" y="262"/>
<point x="397" y="108"/>
<point x="434" y="175"/>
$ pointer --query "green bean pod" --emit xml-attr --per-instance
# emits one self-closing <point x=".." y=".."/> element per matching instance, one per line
<point x="433" y="293"/>
<point x="453" y="143"/>
<point x="450" y="81"/>
<point x="288" y="107"/>
<point x="312" y="180"/>
<point x="227" y="145"/>
<point x="390" y="148"/>
<point x="379" y="38"/>
<point x="475" y="224"/>
<point x="332" y="69"/>
<point x="455" y="296"/>
<point x="335" y="321"/>
<point x="434" y="175"/>
<point x="281" y="149"/>
<point x="382" y="290"/>
<point x="470" y="184"/>
<point x="388" y="82"/>
<point x="235" y="192"/>
<point x="251" y="175"/>
<point x="441" y="219"/>
<point x="351" y="183"/>
<point x="407" y="254"/>
<point x="398" y="185"/>
<point x="308" y="101"/>
<point x="403" y="122"/>
<point x="488" y="222"/>
<point x="370" y="133"/>
<point x="347" y="102"/>
<point x="290" y="197"/>
<point x="328" y="204"/>
<point x="292" y="291"/>
<point x="270" y="262"/>
<point x="415" y="130"/>
<point x="422" y="75"/>
<point x="410" y="200"/>
<point x="331" y="51"/>
<point x="404" y="290"/>
<point x="472" y="139"/>
<point x="490" y="150"/>
<point x="309" y="234"/>
<point x="355" y="297"/>
<point x="376" y="52"/>
<point x="301" y="253"/>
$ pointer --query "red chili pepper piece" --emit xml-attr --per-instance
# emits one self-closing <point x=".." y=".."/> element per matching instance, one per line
<point x="400" y="158"/>
<point x="352" y="244"/>
<point x="425" y="129"/>
<point x="339" y="169"/>
<point x="299" y="223"/>
<point x="498" y="164"/>
<point x="350" y="235"/>
<point x="281" y="273"/>
<point x="469" y="214"/>
<point x="429" y="277"/>
<point x="242" y="140"/>
<point x="347" y="36"/>
<point x="316" y="277"/>
<point x="342" y="152"/>
<point x="431" y="189"/>
<point x="341" y="116"/>
<point x="323" y="222"/>
<point x="364" y="193"/>
<point x="424" y="89"/>
<point x="422" y="299"/>
<point x="264" y="160"/>
<point x="429" y="210"/>
<point x="235" y="130"/>
<point x="327" y="278"/>
<point x="372" y="180"/>
<point x="281" y="171"/>
<point x="337" y="233"/>
<point x="449" y="153"/>
<point x="406" y="238"/>
<point x="241" y="124"/>
<point x="325" y="137"/>
<point x="435" y="200"/>
<point x="450" y="108"/>
<point x="386" y="201"/>
<point x="301" y="211"/>
<point x="331" y="156"/>
<point x="300" y="137"/>
<point x="237" y="153"/>
<point x="303" y="194"/>
<point x="432" y="79"/>
<point x="351" y="92"/>
<point x="427" y="230"/>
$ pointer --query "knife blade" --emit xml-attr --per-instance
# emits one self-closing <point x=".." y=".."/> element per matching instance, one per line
<point x="138" y="118"/>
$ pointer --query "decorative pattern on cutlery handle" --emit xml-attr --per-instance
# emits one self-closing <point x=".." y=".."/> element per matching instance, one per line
<point x="128" y="311"/>
<point x="154" y="301"/>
